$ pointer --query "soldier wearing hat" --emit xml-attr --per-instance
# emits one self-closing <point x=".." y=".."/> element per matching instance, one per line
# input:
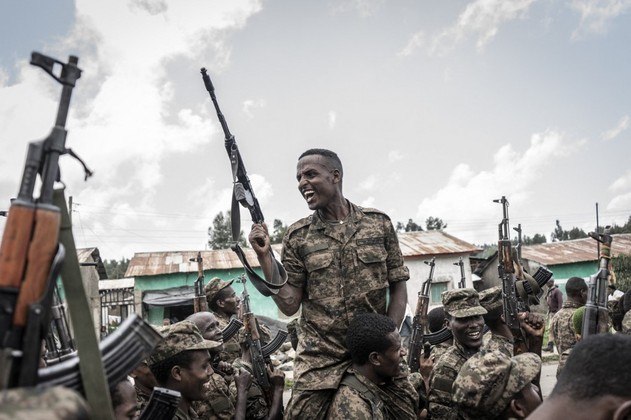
<point x="464" y="316"/>
<point x="224" y="303"/>
<point x="491" y="385"/>
<point x="43" y="403"/>
<point x="181" y="362"/>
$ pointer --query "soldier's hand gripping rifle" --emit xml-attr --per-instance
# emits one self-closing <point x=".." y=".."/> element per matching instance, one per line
<point x="253" y="340"/>
<point x="199" y="302"/>
<point x="420" y="323"/>
<point x="30" y="255"/>
<point x="243" y="194"/>
<point x="506" y="271"/>
<point x="596" y="318"/>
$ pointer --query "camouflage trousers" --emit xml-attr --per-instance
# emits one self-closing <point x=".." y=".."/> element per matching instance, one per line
<point x="307" y="404"/>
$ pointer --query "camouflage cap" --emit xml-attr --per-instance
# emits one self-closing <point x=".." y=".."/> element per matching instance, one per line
<point x="491" y="299"/>
<point x="214" y="286"/>
<point x="180" y="337"/>
<point x="461" y="303"/>
<point x="626" y="323"/>
<point x="488" y="381"/>
<point x="43" y="403"/>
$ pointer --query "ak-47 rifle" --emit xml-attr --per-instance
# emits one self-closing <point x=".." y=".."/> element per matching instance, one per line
<point x="30" y="255"/>
<point x="199" y="302"/>
<point x="420" y="323"/>
<point x="231" y="329"/>
<point x="162" y="404"/>
<point x="59" y="342"/>
<point x="462" y="283"/>
<point x="243" y="194"/>
<point x="519" y="242"/>
<point x="506" y="271"/>
<point x="596" y="318"/>
<point x="253" y="340"/>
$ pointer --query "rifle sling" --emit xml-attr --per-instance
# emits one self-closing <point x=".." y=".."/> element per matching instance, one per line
<point x="90" y="363"/>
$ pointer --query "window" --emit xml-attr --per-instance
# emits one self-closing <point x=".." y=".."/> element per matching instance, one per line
<point x="435" y="291"/>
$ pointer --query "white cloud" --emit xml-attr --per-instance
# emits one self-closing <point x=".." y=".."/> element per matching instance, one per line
<point x="250" y="104"/>
<point x="621" y="186"/>
<point x="364" y="8"/>
<point x="368" y="202"/>
<point x="415" y="42"/>
<point x="612" y="133"/>
<point x="514" y="174"/>
<point x="481" y="19"/>
<point x="622" y="183"/>
<point x="596" y="14"/>
<point x="395" y="156"/>
<point x="332" y="119"/>
<point x="369" y="183"/>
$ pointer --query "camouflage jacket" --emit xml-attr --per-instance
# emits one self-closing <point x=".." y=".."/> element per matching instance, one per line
<point x="439" y="349"/>
<point x="256" y="405"/>
<point x="563" y="332"/>
<point x="231" y="350"/>
<point x="494" y="342"/>
<point x="181" y="415"/>
<point x="343" y="269"/>
<point x="142" y="398"/>
<point x="441" y="381"/>
<point x="218" y="402"/>
<point x="360" y="398"/>
<point x="42" y="403"/>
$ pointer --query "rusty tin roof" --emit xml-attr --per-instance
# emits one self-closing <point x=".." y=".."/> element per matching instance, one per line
<point x="433" y="242"/>
<point x="577" y="250"/>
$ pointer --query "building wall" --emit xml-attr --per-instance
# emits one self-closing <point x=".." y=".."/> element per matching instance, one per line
<point x="446" y="276"/>
<point x="260" y="304"/>
<point x="579" y="269"/>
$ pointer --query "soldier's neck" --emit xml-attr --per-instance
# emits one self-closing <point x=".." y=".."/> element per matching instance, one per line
<point x="367" y="371"/>
<point x="336" y="211"/>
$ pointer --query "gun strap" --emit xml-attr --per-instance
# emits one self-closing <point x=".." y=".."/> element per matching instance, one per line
<point x="265" y="287"/>
<point x="90" y="364"/>
<point x="438" y="337"/>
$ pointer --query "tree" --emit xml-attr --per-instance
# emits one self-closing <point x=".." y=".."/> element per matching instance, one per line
<point x="279" y="232"/>
<point x="621" y="265"/>
<point x="565" y="235"/>
<point x="410" y="226"/>
<point x="116" y="269"/>
<point x="626" y="228"/>
<point x="435" y="223"/>
<point x="536" y="239"/>
<point x="220" y="234"/>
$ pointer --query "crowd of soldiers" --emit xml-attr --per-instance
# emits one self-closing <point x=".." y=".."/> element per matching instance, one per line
<point x="346" y="275"/>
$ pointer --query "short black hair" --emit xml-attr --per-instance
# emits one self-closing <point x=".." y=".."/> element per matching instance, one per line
<point x="162" y="369"/>
<point x="368" y="332"/>
<point x="220" y="295"/>
<point x="574" y="286"/>
<point x="436" y="318"/>
<point x="115" y="393"/>
<point x="331" y="157"/>
<point x="588" y="371"/>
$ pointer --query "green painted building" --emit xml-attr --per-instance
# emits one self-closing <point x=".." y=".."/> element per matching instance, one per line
<point x="164" y="281"/>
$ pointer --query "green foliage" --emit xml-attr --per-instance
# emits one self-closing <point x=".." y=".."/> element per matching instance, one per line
<point x="626" y="228"/>
<point x="621" y="265"/>
<point x="410" y="226"/>
<point x="536" y="239"/>
<point x="116" y="269"/>
<point x="560" y="234"/>
<point x="279" y="232"/>
<point x="220" y="234"/>
<point x="435" y="223"/>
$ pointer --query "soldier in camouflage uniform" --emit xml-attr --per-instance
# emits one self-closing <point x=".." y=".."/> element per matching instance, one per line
<point x="124" y="401"/>
<point x="561" y="325"/>
<point x="626" y="323"/>
<point x="492" y="386"/>
<point x="499" y="337"/>
<point x="340" y="261"/>
<point x="437" y="321"/>
<point x="57" y="403"/>
<point x="224" y="303"/>
<point x="259" y="404"/>
<point x="464" y="314"/>
<point x="181" y="362"/>
<point x="144" y="382"/>
<point x="375" y="387"/>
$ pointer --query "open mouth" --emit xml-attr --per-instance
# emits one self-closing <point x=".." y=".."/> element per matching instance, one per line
<point x="474" y="335"/>
<point x="309" y="195"/>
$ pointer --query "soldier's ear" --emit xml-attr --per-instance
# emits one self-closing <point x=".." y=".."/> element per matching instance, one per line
<point x="176" y="373"/>
<point x="374" y="358"/>
<point x="518" y="409"/>
<point x="623" y="412"/>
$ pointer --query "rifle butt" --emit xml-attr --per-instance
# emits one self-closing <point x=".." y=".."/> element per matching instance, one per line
<point x="15" y="244"/>
<point x="41" y="251"/>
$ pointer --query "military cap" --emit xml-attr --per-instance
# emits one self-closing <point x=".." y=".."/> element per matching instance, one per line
<point x="461" y="303"/>
<point x="43" y="403"/>
<point x="180" y="337"/>
<point x="214" y="286"/>
<point x="491" y="299"/>
<point x="488" y="381"/>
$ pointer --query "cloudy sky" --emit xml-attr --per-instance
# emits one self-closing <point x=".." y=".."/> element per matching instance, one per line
<point x="435" y="108"/>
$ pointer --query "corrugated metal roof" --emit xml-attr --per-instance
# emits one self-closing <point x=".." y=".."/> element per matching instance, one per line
<point x="577" y="250"/>
<point x="413" y="244"/>
<point x="155" y="263"/>
<point x="433" y="242"/>
<point x="123" y="283"/>
<point x="92" y="255"/>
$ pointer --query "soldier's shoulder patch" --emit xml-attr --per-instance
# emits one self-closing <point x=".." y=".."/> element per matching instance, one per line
<point x="305" y="221"/>
<point x="370" y="210"/>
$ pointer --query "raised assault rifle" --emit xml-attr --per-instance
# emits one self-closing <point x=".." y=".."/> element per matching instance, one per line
<point x="462" y="283"/>
<point x="420" y="323"/>
<point x="596" y="318"/>
<point x="243" y="194"/>
<point x="199" y="302"/>
<point x="162" y="404"/>
<point x="506" y="271"/>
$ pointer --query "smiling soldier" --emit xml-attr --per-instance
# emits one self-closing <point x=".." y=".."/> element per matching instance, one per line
<point x="464" y="314"/>
<point x="340" y="261"/>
